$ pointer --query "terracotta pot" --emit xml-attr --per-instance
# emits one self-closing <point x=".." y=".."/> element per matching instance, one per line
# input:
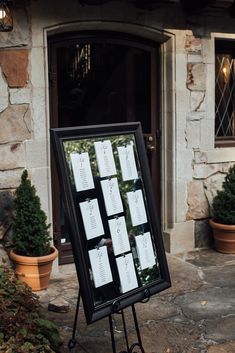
<point x="35" y="271"/>
<point x="224" y="236"/>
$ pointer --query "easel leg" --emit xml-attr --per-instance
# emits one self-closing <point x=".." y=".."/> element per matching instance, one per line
<point x="125" y="331"/>
<point x="136" y="325"/>
<point x="139" y="344"/>
<point x="112" y="333"/>
<point x="72" y="342"/>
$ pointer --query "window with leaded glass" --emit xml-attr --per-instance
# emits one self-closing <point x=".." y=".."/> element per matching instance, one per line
<point x="224" y="92"/>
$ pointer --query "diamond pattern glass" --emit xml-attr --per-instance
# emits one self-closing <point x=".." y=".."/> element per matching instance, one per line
<point x="224" y="96"/>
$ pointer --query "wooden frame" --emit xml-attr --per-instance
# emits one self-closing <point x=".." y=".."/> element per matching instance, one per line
<point x="149" y="280"/>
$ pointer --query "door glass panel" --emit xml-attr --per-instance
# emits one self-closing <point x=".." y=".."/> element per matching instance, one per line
<point x="101" y="83"/>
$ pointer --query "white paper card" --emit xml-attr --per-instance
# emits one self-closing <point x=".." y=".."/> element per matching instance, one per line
<point x="112" y="197"/>
<point x="100" y="266"/>
<point x="126" y="270"/>
<point x="127" y="162"/>
<point x="137" y="207"/>
<point x="91" y="218"/>
<point x="82" y="171"/>
<point x="105" y="159"/>
<point x="145" y="250"/>
<point x="119" y="235"/>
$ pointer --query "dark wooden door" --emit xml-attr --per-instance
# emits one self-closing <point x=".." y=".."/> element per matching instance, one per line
<point x="101" y="78"/>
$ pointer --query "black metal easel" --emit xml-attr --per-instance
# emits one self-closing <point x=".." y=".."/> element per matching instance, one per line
<point x="129" y="349"/>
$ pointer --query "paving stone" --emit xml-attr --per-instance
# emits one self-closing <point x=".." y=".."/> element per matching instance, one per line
<point x="219" y="276"/>
<point x="59" y="305"/>
<point x="168" y="337"/>
<point x="220" y="330"/>
<point x="210" y="257"/>
<point x="222" y="348"/>
<point x="212" y="303"/>
<point x="179" y="271"/>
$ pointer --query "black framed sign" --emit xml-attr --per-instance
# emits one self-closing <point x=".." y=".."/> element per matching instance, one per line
<point x="110" y="208"/>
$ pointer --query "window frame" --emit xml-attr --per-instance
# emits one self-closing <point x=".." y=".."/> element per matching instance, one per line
<point x="222" y="46"/>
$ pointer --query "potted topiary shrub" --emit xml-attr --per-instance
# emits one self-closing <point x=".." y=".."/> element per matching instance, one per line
<point x="32" y="252"/>
<point x="223" y="221"/>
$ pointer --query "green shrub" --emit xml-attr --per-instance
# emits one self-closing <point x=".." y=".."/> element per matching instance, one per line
<point x="22" y="327"/>
<point x="224" y="202"/>
<point x="30" y="229"/>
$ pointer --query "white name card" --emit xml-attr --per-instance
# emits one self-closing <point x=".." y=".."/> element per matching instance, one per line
<point x="82" y="171"/>
<point x="112" y="197"/>
<point x="127" y="162"/>
<point x="91" y="218"/>
<point x="105" y="159"/>
<point x="100" y="266"/>
<point x="119" y="235"/>
<point x="126" y="270"/>
<point x="137" y="207"/>
<point x="145" y="250"/>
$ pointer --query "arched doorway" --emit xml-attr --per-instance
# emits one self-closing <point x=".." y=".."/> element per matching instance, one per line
<point x="97" y="78"/>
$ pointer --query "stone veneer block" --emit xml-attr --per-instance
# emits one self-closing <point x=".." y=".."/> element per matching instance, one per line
<point x="36" y="153"/>
<point x="197" y="101"/>
<point x="204" y="171"/>
<point x="196" y="74"/>
<point x="40" y="179"/>
<point x="212" y="185"/>
<point x="193" y="134"/>
<point x="12" y="156"/>
<point x="203" y="234"/>
<point x="14" y="65"/>
<point x="15" y="124"/>
<point x="38" y="106"/>
<point x="207" y="138"/>
<point x="182" y="237"/>
<point x="221" y="155"/>
<point x="20" y="95"/>
<point x="10" y="179"/>
<point x="3" y="93"/>
<point x="198" y="206"/>
<point x="200" y="157"/>
<point x="195" y="116"/>
<point x="192" y="44"/>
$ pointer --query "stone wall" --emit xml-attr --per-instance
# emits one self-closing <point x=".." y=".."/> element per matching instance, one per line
<point x="207" y="173"/>
<point x="15" y="114"/>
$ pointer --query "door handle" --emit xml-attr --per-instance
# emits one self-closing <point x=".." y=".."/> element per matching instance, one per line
<point x="151" y="148"/>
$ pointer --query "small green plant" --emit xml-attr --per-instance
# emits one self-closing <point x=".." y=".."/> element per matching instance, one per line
<point x="30" y="229"/>
<point x="224" y="202"/>
<point x="22" y="326"/>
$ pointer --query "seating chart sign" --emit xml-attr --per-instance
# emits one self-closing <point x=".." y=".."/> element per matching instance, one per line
<point x="126" y="270"/>
<point x="100" y="266"/>
<point x="91" y="218"/>
<point x="137" y="207"/>
<point x="105" y="159"/>
<point x="145" y="250"/>
<point x="112" y="197"/>
<point x="111" y="212"/>
<point x="127" y="162"/>
<point x="82" y="171"/>
<point x="119" y="235"/>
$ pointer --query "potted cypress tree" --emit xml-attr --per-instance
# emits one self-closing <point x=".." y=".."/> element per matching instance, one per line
<point x="223" y="222"/>
<point x="32" y="253"/>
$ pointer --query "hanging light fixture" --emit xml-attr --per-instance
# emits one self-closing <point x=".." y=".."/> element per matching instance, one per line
<point x="6" y="20"/>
